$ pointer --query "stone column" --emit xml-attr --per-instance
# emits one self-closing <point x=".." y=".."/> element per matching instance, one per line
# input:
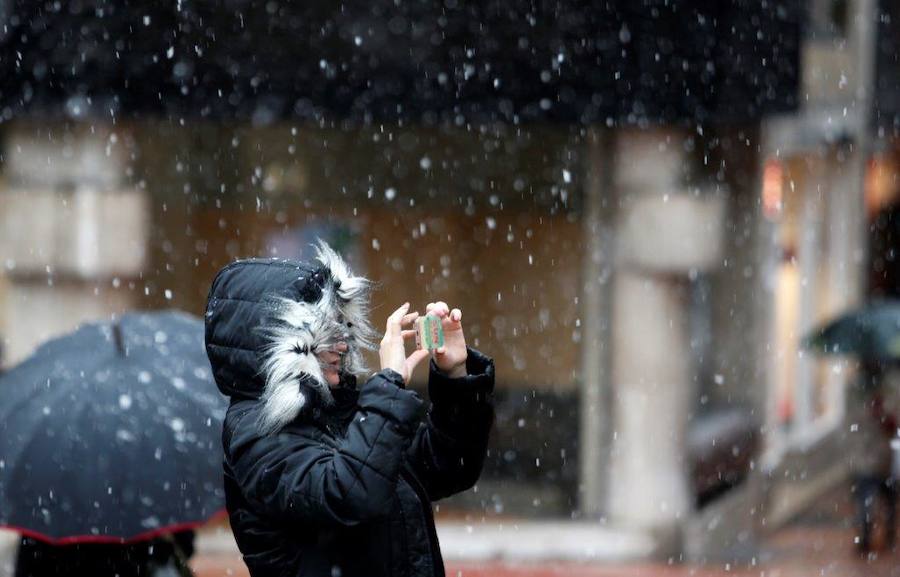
<point x="663" y="233"/>
<point x="73" y="232"/>
<point x="810" y="248"/>
<point x="847" y="225"/>
<point x="597" y="256"/>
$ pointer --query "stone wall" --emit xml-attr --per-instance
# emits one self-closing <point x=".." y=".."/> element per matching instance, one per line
<point x="73" y="230"/>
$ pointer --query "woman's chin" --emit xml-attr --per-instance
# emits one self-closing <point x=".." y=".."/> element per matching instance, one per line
<point x="332" y="378"/>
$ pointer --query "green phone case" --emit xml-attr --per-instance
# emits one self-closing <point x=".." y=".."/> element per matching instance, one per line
<point x="429" y="333"/>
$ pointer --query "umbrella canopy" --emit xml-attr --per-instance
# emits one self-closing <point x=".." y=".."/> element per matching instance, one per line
<point x="112" y="433"/>
<point x="870" y="333"/>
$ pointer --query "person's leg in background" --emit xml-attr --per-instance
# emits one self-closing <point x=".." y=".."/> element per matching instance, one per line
<point x="889" y="492"/>
<point x="866" y="495"/>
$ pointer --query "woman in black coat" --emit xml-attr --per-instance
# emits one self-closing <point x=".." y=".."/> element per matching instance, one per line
<point x="323" y="478"/>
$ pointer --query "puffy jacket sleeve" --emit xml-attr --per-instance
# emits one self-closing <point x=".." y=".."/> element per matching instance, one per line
<point x="295" y="478"/>
<point x="449" y="448"/>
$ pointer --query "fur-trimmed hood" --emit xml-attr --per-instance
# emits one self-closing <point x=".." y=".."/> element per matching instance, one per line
<point x="267" y="318"/>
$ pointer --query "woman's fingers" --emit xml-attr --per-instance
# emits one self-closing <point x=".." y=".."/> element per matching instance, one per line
<point x="438" y="308"/>
<point x="398" y="314"/>
<point x="415" y="358"/>
<point x="441" y="310"/>
<point x="392" y="351"/>
<point x="399" y="329"/>
<point x="401" y="317"/>
<point x="393" y="321"/>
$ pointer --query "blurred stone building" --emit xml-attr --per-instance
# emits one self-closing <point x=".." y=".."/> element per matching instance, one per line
<point x="640" y="207"/>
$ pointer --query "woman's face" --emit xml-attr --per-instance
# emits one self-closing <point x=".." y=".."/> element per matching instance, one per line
<point x="331" y="361"/>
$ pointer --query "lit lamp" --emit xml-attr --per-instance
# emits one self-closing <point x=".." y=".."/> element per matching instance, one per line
<point x="773" y="189"/>
<point x="882" y="182"/>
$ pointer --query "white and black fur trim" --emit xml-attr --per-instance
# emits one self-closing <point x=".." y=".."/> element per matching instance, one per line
<point x="299" y="329"/>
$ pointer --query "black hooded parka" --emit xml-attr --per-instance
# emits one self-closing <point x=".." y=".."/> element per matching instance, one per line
<point x="345" y="487"/>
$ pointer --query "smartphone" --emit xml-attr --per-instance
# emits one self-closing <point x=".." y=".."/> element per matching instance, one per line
<point x="429" y="332"/>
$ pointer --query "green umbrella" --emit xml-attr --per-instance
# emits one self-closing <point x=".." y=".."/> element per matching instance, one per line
<point x="871" y="333"/>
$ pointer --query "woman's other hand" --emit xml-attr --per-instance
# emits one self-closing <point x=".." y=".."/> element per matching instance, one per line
<point x="392" y="351"/>
<point x="450" y="358"/>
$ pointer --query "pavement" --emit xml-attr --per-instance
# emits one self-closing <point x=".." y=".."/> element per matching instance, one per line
<point x="820" y="543"/>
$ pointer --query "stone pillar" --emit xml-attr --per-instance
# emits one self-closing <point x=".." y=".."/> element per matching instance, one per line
<point x="4" y="292"/>
<point x="73" y="232"/>
<point x="663" y="233"/>
<point x="810" y="248"/>
<point x="847" y="225"/>
<point x="847" y="237"/>
<point x="597" y="257"/>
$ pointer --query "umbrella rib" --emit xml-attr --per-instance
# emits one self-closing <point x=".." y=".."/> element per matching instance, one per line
<point x="194" y="399"/>
<point x="16" y="471"/>
<point x="39" y="423"/>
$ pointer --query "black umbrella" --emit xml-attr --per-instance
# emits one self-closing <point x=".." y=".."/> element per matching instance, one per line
<point x="112" y="433"/>
<point x="871" y="333"/>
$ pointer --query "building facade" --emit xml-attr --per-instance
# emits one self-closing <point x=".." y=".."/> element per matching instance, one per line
<point x="641" y="210"/>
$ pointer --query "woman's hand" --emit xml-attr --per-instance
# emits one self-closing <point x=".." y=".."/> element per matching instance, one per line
<point x="450" y="358"/>
<point x="392" y="351"/>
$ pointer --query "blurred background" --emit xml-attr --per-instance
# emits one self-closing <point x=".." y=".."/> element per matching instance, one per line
<point x="642" y="208"/>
